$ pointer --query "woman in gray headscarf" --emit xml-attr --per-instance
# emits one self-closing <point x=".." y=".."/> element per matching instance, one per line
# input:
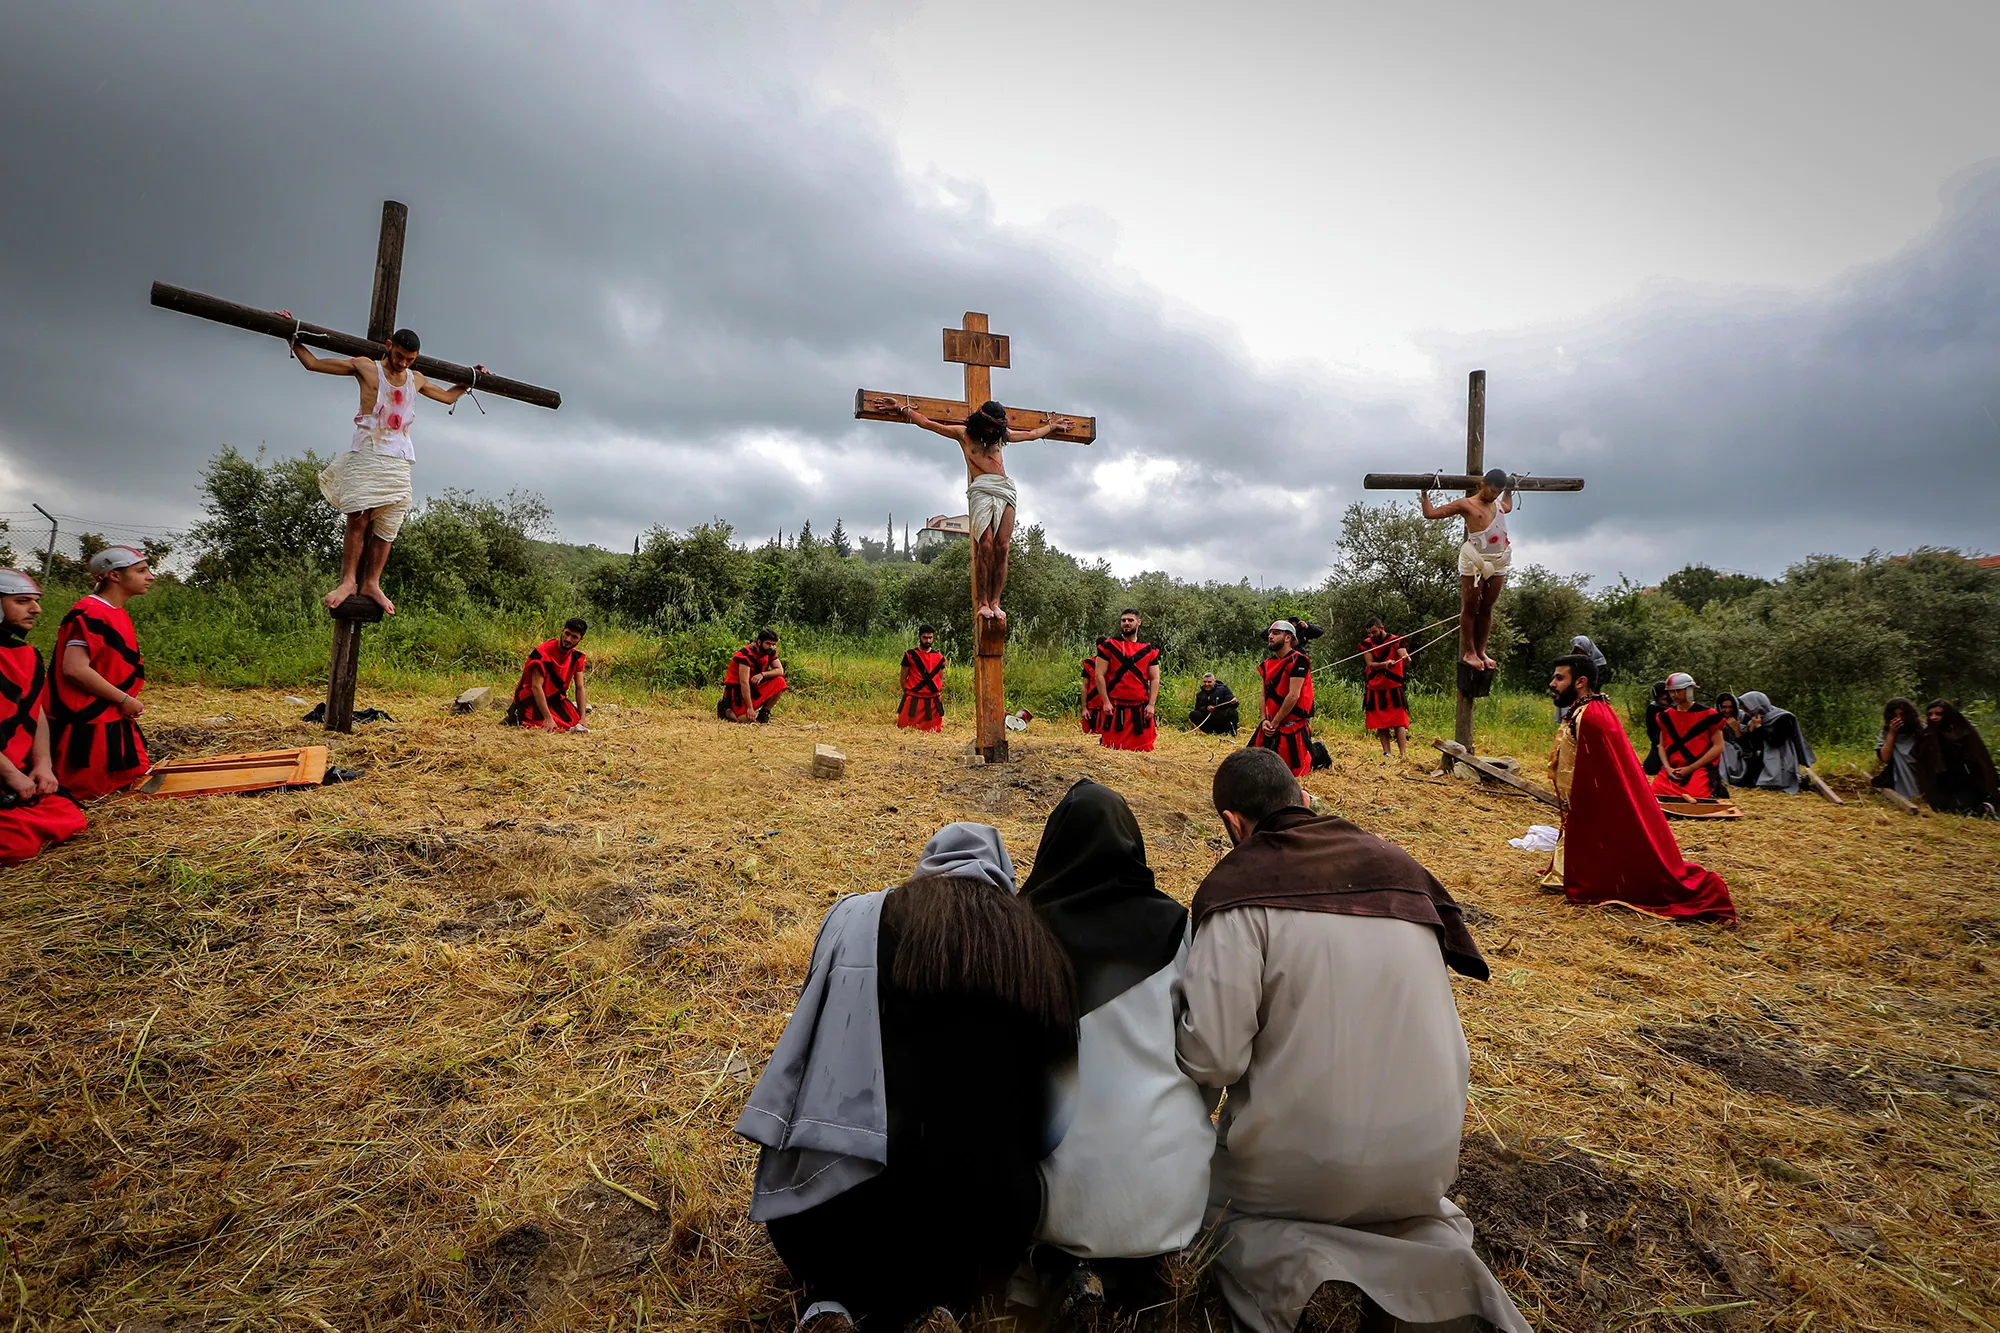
<point x="1773" y="747"/>
<point x="904" y="1112"/>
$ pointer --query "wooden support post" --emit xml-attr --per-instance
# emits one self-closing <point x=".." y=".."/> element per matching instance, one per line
<point x="1475" y="463"/>
<point x="345" y="664"/>
<point x="388" y="272"/>
<point x="989" y="681"/>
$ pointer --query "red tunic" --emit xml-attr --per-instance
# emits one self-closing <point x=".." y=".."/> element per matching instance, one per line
<point x="758" y="657"/>
<point x="556" y="669"/>
<point x="43" y="820"/>
<point x="1616" y="846"/>
<point x="1384" y="697"/>
<point x="923" y="691"/>
<point x="1684" y="738"/>
<point x="1125" y="666"/>
<point x="1093" y="716"/>
<point x="96" y="750"/>
<point x="1293" y="739"/>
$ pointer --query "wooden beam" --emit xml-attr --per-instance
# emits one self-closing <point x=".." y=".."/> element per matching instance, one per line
<point x="989" y="692"/>
<point x="973" y="347"/>
<point x="268" y="323"/>
<point x="1475" y="463"/>
<point x="1452" y="481"/>
<point x="978" y="374"/>
<point x="1452" y="750"/>
<point x="950" y="412"/>
<point x="1824" y="790"/>
<point x="1902" y="802"/>
<point x="388" y="272"/>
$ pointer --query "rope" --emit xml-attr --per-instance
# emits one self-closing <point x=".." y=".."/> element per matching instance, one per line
<point x="1418" y="630"/>
<point x="452" y="411"/>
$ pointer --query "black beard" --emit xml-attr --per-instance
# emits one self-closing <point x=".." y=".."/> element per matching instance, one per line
<point x="1567" y="698"/>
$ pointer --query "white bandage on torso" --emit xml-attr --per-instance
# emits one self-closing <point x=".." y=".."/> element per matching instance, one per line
<point x="1487" y="552"/>
<point x="987" y="498"/>
<point x="385" y="428"/>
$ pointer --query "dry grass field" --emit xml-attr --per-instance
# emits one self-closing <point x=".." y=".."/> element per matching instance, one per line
<point x="458" y="1045"/>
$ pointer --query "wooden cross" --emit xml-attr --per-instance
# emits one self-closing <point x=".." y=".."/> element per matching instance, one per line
<point x="979" y="351"/>
<point x="1472" y="685"/>
<point x="351" y="614"/>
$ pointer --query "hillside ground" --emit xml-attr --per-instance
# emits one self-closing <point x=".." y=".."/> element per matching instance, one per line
<point x="459" y="1044"/>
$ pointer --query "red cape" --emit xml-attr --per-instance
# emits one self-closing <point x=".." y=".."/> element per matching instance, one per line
<point x="1617" y="847"/>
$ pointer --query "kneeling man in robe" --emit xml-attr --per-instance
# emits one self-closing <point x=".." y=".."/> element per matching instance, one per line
<point x="541" y="699"/>
<point x="1317" y="994"/>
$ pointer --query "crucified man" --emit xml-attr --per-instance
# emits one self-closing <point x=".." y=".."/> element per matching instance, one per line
<point x="370" y="483"/>
<point x="1482" y="560"/>
<point x="989" y="491"/>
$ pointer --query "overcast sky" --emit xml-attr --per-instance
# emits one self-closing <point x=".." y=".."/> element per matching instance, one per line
<point x="1738" y="266"/>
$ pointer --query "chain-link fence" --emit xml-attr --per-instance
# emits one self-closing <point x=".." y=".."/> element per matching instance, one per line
<point x="56" y="546"/>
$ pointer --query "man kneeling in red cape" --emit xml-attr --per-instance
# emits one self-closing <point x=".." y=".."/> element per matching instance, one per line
<point x="1615" y="845"/>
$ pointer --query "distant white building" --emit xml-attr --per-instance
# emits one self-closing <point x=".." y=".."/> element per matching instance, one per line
<point x="942" y="528"/>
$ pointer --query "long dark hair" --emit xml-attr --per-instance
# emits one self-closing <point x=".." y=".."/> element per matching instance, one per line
<point x="959" y="936"/>
<point x="1913" y="721"/>
<point x="988" y="425"/>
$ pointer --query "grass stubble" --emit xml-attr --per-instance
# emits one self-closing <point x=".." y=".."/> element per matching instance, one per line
<point x="459" y="1045"/>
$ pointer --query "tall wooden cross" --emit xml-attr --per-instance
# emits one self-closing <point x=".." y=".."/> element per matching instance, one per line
<point x="979" y="351"/>
<point x="351" y="614"/>
<point x="1472" y="685"/>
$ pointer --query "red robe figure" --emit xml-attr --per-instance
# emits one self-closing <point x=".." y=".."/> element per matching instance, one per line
<point x="923" y="685"/>
<point x="1128" y="687"/>
<point x="1385" y="698"/>
<point x="1093" y="716"/>
<point x="1692" y="735"/>
<point x="1288" y="699"/>
<point x="99" y="675"/>
<point x="755" y="679"/>
<point x="34" y="813"/>
<point x="542" y="698"/>
<point x="1615" y="845"/>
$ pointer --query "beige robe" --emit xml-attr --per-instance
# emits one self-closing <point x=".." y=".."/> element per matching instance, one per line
<point x="1338" y="1040"/>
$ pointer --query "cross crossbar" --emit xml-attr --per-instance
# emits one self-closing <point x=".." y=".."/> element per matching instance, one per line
<point x="1456" y="481"/>
<point x="952" y="412"/>
<point x="267" y="322"/>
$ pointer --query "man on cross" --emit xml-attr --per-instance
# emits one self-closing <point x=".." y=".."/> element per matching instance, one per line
<point x="370" y="483"/>
<point x="1482" y="560"/>
<point x="989" y="491"/>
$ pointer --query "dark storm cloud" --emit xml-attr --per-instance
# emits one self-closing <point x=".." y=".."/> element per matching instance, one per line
<point x="1750" y="430"/>
<point x="638" y="210"/>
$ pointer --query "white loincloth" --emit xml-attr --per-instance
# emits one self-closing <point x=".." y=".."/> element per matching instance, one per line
<point x="988" y="497"/>
<point x="1472" y="564"/>
<point x="361" y="480"/>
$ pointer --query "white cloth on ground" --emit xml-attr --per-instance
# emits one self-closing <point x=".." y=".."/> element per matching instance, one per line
<point x="360" y="480"/>
<point x="1130" y="1177"/>
<point x="1339" y="1042"/>
<point x="987" y="498"/>
<point x="1538" y="838"/>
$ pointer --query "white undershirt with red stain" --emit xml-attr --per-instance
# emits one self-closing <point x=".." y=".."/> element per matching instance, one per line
<point x="386" y="429"/>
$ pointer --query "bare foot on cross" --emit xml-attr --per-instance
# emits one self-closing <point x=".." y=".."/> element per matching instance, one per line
<point x="374" y="591"/>
<point x="1473" y="660"/>
<point x="340" y="594"/>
